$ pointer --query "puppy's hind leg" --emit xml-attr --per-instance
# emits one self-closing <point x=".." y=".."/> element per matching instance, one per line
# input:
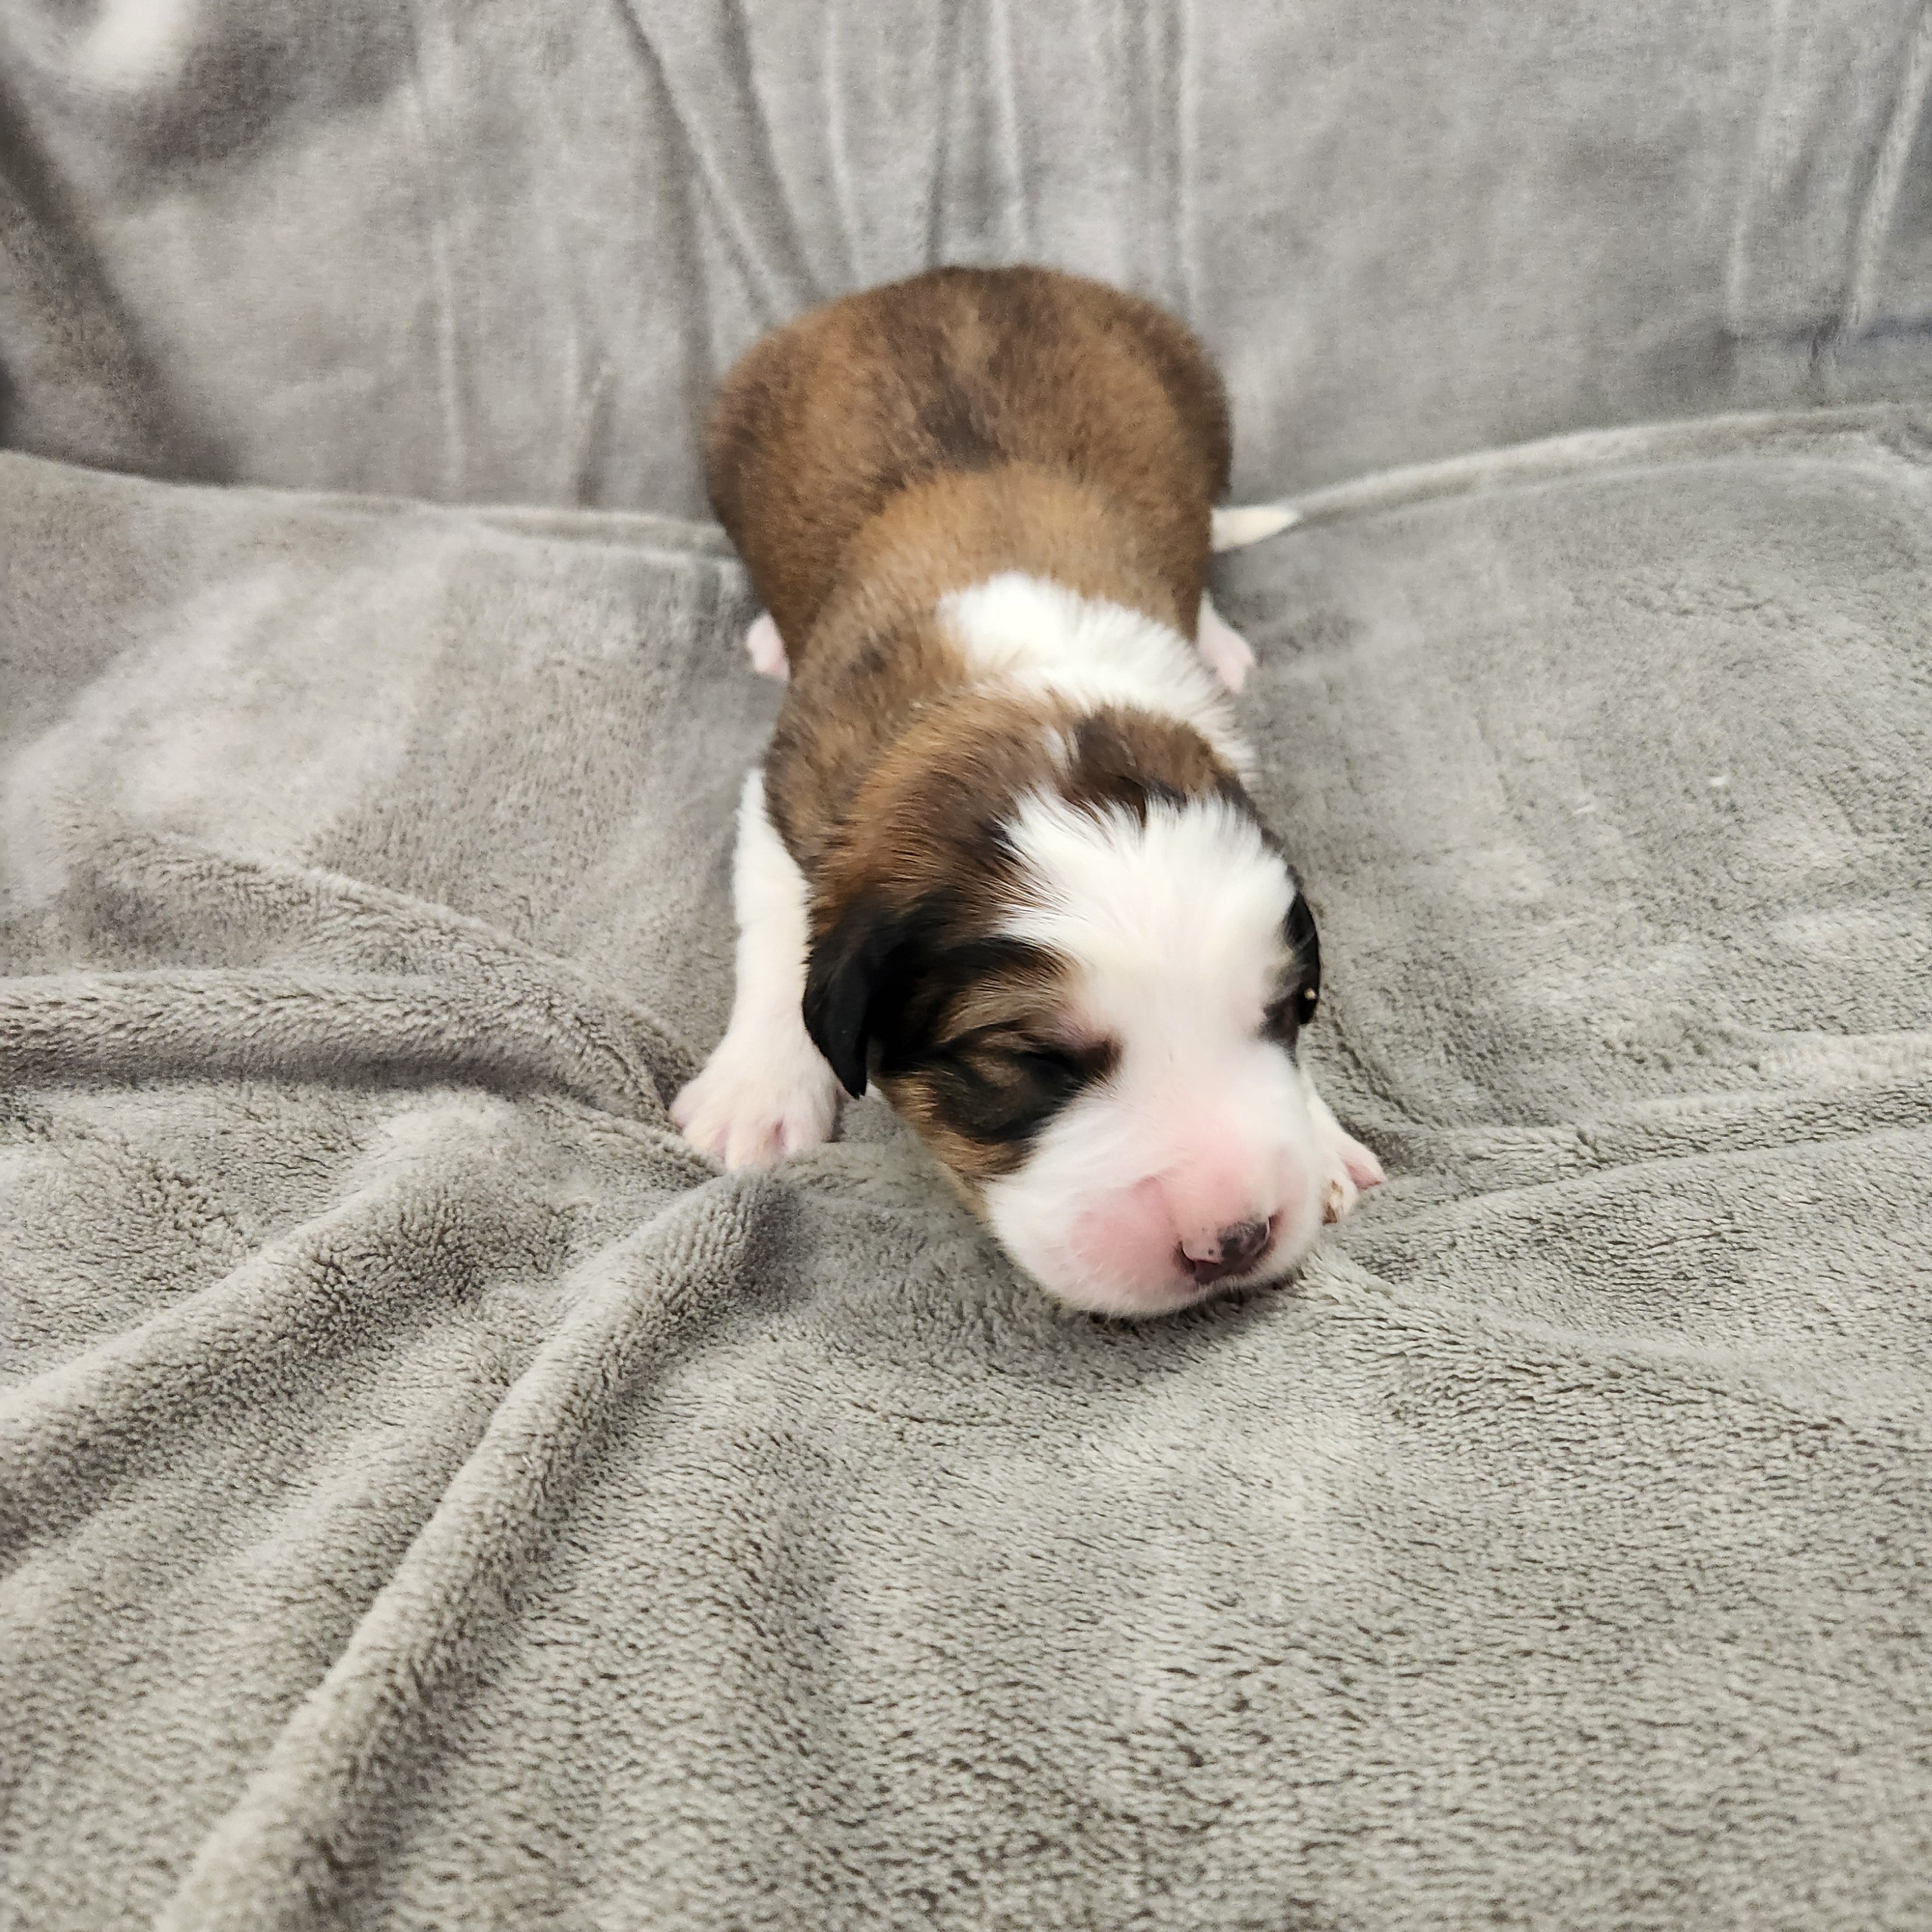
<point x="765" y="649"/>
<point x="1225" y="651"/>
<point x="766" y="1092"/>
<point x="1235" y="526"/>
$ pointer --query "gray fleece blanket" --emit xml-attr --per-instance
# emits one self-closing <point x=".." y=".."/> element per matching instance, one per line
<point x="502" y="250"/>
<point x="429" y="1495"/>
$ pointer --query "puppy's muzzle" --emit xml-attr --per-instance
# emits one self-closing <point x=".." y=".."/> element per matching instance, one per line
<point x="1233" y="1251"/>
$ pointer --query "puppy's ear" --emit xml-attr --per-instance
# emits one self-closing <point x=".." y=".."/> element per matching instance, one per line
<point x="1305" y="947"/>
<point x="863" y="959"/>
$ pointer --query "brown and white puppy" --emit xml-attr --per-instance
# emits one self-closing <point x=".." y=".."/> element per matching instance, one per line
<point x="1000" y="862"/>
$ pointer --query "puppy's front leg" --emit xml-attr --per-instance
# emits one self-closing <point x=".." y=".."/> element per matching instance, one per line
<point x="1351" y="1169"/>
<point x="766" y="1092"/>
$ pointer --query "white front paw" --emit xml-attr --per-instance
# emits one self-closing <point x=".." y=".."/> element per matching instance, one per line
<point x="758" y="1101"/>
<point x="1338" y="1195"/>
<point x="1348" y="1169"/>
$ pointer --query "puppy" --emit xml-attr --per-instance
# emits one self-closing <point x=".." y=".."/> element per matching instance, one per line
<point x="1000" y="863"/>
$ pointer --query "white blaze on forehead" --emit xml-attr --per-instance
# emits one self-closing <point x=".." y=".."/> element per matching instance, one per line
<point x="1173" y="930"/>
<point x="1039" y="639"/>
<point x="1174" y="926"/>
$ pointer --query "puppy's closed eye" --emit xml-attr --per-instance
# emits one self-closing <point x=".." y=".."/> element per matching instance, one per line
<point x="1299" y="992"/>
<point x="1284" y="1018"/>
<point x="1000" y="1084"/>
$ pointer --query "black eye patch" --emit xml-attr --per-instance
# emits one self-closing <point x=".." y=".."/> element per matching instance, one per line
<point x="1298" y="991"/>
<point x="1001" y="1087"/>
<point x="1283" y="1020"/>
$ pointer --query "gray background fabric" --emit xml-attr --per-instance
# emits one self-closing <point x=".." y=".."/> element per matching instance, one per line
<point x="429" y="1495"/>
<point x="434" y="1497"/>
<point x="483" y="250"/>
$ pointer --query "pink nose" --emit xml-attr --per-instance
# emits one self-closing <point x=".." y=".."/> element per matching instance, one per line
<point x="1233" y="1251"/>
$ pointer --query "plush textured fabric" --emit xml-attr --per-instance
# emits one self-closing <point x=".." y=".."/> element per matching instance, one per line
<point x="429" y="1495"/>
<point x="432" y="1496"/>
<point x="497" y="250"/>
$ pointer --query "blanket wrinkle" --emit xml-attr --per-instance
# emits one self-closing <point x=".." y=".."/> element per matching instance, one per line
<point x="142" y="1026"/>
<point x="154" y="890"/>
<point x="439" y="240"/>
<point x="322" y="1791"/>
<point x="741" y="181"/>
<point x="106" y="1416"/>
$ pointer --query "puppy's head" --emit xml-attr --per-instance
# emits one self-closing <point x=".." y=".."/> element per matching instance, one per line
<point x="1085" y="995"/>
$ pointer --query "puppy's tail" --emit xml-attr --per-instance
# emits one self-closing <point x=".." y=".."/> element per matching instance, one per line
<point x="1238" y="525"/>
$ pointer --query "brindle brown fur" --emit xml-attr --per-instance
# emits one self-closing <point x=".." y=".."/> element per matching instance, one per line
<point x="956" y="371"/>
<point x="867" y="460"/>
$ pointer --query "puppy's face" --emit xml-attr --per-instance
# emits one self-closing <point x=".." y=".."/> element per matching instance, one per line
<point x="1089" y="1011"/>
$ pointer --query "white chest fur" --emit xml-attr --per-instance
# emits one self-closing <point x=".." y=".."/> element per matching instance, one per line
<point x="1039" y="638"/>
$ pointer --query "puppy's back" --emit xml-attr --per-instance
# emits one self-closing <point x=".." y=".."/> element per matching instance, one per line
<point x="826" y="420"/>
